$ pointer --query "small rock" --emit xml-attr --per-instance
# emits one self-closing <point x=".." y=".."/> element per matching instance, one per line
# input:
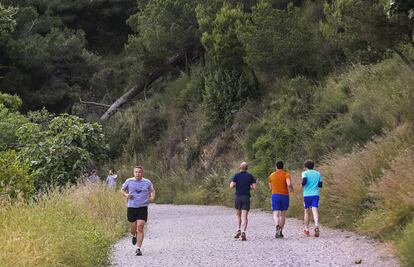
<point x="358" y="261"/>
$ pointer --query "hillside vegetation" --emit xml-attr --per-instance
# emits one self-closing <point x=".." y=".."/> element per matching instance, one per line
<point x="212" y="83"/>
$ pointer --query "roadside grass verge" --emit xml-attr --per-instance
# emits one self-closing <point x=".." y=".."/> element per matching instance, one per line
<point x="72" y="227"/>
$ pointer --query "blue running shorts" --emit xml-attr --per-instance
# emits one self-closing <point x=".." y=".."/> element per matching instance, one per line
<point x="280" y="202"/>
<point x="311" y="201"/>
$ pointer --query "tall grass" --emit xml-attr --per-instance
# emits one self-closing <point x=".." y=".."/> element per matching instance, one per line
<point x="348" y="178"/>
<point x="73" y="227"/>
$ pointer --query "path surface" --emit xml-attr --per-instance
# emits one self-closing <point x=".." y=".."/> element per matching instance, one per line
<point x="202" y="236"/>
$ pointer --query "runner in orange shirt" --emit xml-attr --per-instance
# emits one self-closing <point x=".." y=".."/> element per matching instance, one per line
<point x="280" y="184"/>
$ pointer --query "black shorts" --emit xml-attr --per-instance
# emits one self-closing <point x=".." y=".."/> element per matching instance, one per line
<point x="242" y="202"/>
<point x="135" y="214"/>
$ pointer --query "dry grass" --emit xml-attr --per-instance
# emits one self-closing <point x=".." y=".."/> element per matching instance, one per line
<point x="71" y="228"/>
<point x="348" y="178"/>
<point x="394" y="192"/>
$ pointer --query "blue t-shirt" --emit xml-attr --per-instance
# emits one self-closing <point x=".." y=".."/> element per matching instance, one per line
<point x="140" y="190"/>
<point x="111" y="180"/>
<point x="243" y="181"/>
<point x="312" y="180"/>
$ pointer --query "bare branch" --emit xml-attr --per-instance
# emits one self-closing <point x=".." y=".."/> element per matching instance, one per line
<point x="93" y="103"/>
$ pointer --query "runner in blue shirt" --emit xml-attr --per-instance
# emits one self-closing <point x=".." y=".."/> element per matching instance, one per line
<point x="139" y="191"/>
<point x="311" y="182"/>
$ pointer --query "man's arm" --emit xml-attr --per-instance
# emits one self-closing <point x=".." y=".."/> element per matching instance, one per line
<point x="233" y="181"/>
<point x="320" y="184"/>
<point x="125" y="193"/>
<point x="152" y="194"/>
<point x="304" y="181"/>
<point x="289" y="184"/>
<point x="253" y="182"/>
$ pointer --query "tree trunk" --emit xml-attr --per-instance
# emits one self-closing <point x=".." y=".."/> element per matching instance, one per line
<point x="158" y="72"/>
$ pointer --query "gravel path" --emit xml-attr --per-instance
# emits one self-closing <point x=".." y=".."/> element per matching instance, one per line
<point x="202" y="236"/>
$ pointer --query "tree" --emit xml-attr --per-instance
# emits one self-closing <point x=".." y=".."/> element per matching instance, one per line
<point x="282" y="41"/>
<point x="166" y="36"/>
<point x="10" y="121"/>
<point x="7" y="20"/>
<point x="401" y="6"/>
<point x="220" y="37"/>
<point x="361" y="29"/>
<point x="45" y="70"/>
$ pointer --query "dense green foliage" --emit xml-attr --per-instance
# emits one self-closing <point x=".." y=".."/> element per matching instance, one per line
<point x="40" y="149"/>
<point x="15" y="178"/>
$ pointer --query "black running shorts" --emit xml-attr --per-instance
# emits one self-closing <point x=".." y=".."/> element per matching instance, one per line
<point x="135" y="214"/>
<point x="242" y="202"/>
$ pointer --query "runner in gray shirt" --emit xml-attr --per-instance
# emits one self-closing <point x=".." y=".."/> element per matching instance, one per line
<point x="139" y="191"/>
<point x="111" y="179"/>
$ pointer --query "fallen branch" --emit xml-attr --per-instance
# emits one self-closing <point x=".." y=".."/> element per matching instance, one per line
<point x="93" y="103"/>
<point x="160" y="71"/>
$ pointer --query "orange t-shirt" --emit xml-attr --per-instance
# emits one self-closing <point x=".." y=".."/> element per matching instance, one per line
<point x="278" y="181"/>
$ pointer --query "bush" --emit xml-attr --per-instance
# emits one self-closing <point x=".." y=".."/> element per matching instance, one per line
<point x="59" y="150"/>
<point x="10" y="121"/>
<point x="16" y="179"/>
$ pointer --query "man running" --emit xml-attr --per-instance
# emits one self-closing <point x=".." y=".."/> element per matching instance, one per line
<point x="139" y="191"/>
<point x="311" y="182"/>
<point x="279" y="182"/>
<point x="243" y="181"/>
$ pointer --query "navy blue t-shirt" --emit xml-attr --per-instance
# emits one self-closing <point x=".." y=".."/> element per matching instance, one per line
<point x="243" y="181"/>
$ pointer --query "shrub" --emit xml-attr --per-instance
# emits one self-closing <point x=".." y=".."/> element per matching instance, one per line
<point x="10" y="121"/>
<point x="16" y="179"/>
<point x="60" y="149"/>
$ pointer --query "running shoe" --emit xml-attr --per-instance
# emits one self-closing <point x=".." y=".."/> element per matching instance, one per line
<point x="138" y="252"/>
<point x="243" y="236"/>
<point x="277" y="235"/>
<point x="316" y="231"/>
<point x="237" y="234"/>
<point x="134" y="239"/>
<point x="306" y="232"/>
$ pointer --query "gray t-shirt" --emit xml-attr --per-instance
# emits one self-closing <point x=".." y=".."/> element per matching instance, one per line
<point x="111" y="180"/>
<point x="140" y="190"/>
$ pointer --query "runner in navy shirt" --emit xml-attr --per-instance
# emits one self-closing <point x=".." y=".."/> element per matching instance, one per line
<point x="243" y="182"/>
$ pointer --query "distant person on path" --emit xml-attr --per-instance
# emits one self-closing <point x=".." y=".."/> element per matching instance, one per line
<point x="111" y="178"/>
<point x="139" y="191"/>
<point x="94" y="178"/>
<point x="280" y="185"/>
<point x="311" y="182"/>
<point x="243" y="182"/>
